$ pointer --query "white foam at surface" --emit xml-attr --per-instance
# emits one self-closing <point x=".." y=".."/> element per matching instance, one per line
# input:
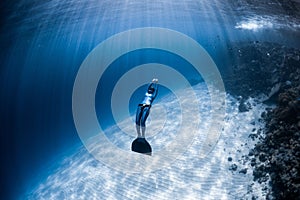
<point x="80" y="176"/>
<point x="260" y="22"/>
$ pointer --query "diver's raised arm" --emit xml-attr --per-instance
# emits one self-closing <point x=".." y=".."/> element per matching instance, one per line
<point x="155" y="86"/>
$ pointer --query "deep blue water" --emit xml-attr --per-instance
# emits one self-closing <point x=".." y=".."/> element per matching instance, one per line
<point x="43" y="44"/>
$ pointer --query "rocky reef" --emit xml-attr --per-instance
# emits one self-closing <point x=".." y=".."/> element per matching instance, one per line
<point x="277" y="155"/>
<point x="271" y="73"/>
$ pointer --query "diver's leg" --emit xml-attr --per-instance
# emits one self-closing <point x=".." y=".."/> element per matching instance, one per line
<point x="145" y="114"/>
<point x="138" y="120"/>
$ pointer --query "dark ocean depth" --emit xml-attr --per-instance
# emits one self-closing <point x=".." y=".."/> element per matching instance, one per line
<point x="43" y="44"/>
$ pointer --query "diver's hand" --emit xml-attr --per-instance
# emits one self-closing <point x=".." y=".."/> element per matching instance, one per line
<point x="155" y="80"/>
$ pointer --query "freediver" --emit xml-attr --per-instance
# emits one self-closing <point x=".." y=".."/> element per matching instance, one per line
<point x="143" y="109"/>
<point x="140" y="144"/>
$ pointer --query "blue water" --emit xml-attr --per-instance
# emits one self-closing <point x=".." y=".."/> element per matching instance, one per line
<point x="43" y="44"/>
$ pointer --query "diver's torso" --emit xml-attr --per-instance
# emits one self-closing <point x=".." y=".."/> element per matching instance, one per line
<point x="148" y="99"/>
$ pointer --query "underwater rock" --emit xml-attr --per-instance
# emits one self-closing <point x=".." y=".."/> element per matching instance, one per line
<point x="275" y="89"/>
<point x="243" y="171"/>
<point x="278" y="153"/>
<point x="233" y="167"/>
<point x="255" y="73"/>
<point x="244" y="107"/>
<point x="288" y="83"/>
<point x="253" y="162"/>
<point x="274" y="71"/>
<point x="262" y="157"/>
<point x="251" y="152"/>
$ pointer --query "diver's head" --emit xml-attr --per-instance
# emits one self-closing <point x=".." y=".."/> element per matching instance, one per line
<point x="150" y="90"/>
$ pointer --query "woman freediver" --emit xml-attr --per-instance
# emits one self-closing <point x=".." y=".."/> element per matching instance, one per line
<point x="140" y="144"/>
